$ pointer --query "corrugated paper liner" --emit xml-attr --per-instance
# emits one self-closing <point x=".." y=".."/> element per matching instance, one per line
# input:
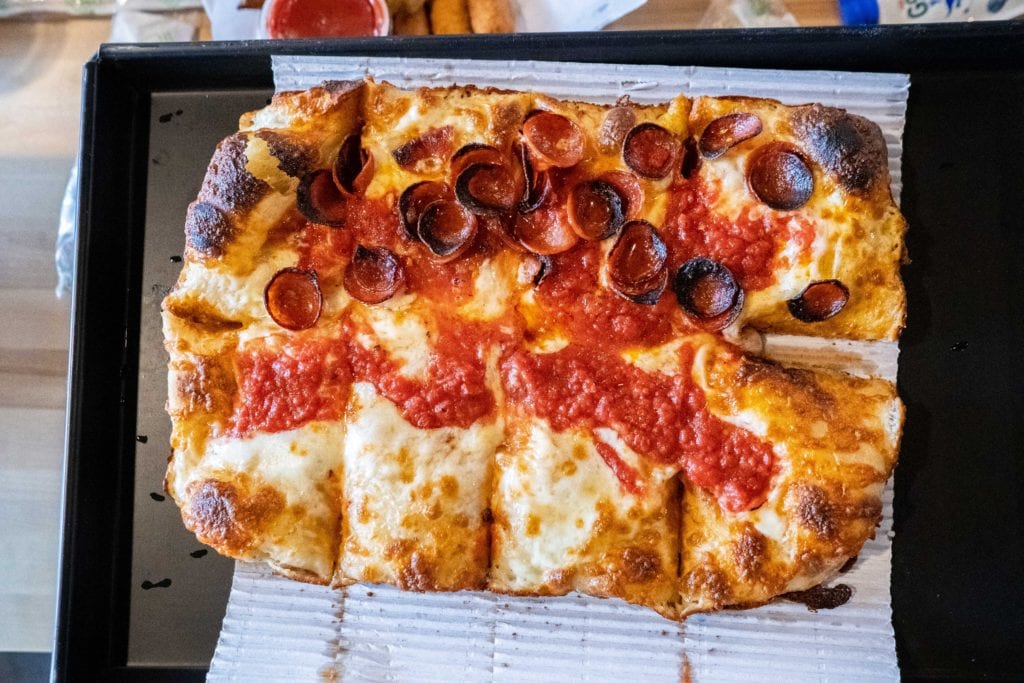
<point x="277" y="629"/>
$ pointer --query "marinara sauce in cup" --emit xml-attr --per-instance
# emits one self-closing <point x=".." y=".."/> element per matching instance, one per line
<point x="324" y="18"/>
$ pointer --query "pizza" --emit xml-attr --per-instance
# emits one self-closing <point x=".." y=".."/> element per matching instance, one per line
<point x="461" y="338"/>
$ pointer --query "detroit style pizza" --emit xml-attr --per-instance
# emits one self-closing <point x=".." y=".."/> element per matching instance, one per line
<point x="461" y="338"/>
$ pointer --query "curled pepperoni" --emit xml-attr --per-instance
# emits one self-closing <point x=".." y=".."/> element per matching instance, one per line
<point x="320" y="200"/>
<point x="708" y="292"/>
<point x="293" y="298"/>
<point x="691" y="159"/>
<point x="487" y="189"/>
<point x="447" y="229"/>
<point x="595" y="210"/>
<point x="544" y="232"/>
<point x="819" y="301"/>
<point x="536" y="184"/>
<point x="553" y="139"/>
<point x="418" y="197"/>
<point x="726" y="132"/>
<point x="475" y="153"/>
<point x="353" y="167"/>
<point x="650" y="150"/>
<point x="618" y="121"/>
<point x="497" y="232"/>
<point x="373" y="275"/>
<point x="426" y="153"/>
<point x="629" y="189"/>
<point x="779" y="176"/>
<point x="637" y="264"/>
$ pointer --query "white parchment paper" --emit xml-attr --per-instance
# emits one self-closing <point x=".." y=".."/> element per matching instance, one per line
<point x="276" y="629"/>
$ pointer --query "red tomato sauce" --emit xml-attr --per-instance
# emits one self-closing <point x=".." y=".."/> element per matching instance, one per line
<point x="281" y="389"/>
<point x="455" y="391"/>
<point x="311" y="380"/>
<point x="747" y="246"/>
<point x="664" y="418"/>
<point x="324" y="18"/>
<point x="591" y="314"/>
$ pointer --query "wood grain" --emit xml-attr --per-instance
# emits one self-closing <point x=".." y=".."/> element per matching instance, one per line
<point x="40" y="82"/>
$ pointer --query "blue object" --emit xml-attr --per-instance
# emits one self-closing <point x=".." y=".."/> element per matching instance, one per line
<point x="855" y="12"/>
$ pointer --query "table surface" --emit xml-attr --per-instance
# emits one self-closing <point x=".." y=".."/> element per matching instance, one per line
<point x="40" y="81"/>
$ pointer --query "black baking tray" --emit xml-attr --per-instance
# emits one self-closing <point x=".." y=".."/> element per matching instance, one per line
<point x="958" y="554"/>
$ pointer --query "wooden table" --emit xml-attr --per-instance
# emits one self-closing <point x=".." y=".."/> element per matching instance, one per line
<point x="40" y="81"/>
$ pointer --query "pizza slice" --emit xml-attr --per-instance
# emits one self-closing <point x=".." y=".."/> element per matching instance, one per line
<point x="257" y="428"/>
<point x="796" y="203"/>
<point x="835" y="438"/>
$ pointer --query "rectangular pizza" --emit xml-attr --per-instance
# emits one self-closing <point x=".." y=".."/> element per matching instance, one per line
<point x="461" y="338"/>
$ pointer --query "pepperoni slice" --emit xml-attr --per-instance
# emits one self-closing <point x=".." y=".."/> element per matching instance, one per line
<point x="726" y="132"/>
<point x="426" y="153"/>
<point x="779" y="176"/>
<point x="637" y="264"/>
<point x="629" y="189"/>
<point x="418" y="197"/>
<point x="373" y="275"/>
<point x="819" y="301"/>
<point x="497" y="233"/>
<point x="447" y="229"/>
<point x="475" y="153"/>
<point x="553" y="139"/>
<point x="616" y="125"/>
<point x="545" y="232"/>
<point x="293" y="298"/>
<point x="708" y="292"/>
<point x="650" y="150"/>
<point x="595" y="210"/>
<point x="319" y="199"/>
<point x="487" y="189"/>
<point x="691" y="159"/>
<point x="353" y="168"/>
<point x="537" y="185"/>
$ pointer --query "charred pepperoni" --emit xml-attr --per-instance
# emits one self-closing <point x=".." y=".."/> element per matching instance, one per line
<point x="708" y="293"/>
<point x="447" y="229"/>
<point x="319" y="199"/>
<point x="373" y="275"/>
<point x="726" y="132"/>
<point x="819" y="301"/>
<point x="595" y="210"/>
<point x="637" y="264"/>
<point x="779" y="176"/>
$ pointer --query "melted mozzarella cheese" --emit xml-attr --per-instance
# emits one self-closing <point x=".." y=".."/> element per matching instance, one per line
<point x="559" y="506"/>
<point x="492" y="288"/>
<point x="403" y="333"/>
<point x="408" y="487"/>
<point x="235" y="296"/>
<point x="294" y="463"/>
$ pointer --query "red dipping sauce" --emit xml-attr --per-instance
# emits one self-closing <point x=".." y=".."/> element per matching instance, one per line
<point x="325" y="18"/>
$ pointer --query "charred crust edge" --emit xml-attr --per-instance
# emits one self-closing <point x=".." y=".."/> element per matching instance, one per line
<point x="208" y="229"/>
<point x="228" y="183"/>
<point x="850" y="147"/>
<point x="293" y="158"/>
